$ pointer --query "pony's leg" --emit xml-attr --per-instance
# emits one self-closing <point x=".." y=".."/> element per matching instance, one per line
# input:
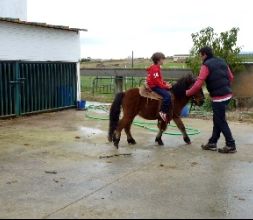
<point x="130" y="138"/>
<point x="162" y="127"/>
<point x="182" y="128"/>
<point x="117" y="135"/>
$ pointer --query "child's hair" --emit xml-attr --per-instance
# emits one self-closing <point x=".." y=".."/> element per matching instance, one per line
<point x="157" y="57"/>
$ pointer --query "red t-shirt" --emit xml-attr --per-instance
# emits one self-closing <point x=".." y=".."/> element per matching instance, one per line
<point x="155" y="77"/>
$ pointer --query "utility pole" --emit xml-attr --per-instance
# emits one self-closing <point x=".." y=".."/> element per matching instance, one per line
<point x="132" y="59"/>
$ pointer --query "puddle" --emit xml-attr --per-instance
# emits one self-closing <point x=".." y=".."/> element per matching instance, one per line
<point x="91" y="131"/>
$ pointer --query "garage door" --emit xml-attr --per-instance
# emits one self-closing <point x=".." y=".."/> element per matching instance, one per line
<point x="28" y="87"/>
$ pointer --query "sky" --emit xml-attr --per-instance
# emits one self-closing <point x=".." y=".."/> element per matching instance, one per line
<point x="116" y="27"/>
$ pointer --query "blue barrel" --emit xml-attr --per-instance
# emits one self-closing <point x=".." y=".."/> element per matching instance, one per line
<point x="81" y="105"/>
<point x="185" y="112"/>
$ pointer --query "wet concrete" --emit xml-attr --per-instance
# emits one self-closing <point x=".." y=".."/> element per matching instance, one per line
<point x="50" y="167"/>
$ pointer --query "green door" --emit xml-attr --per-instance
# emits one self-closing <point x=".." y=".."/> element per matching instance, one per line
<point x="29" y="87"/>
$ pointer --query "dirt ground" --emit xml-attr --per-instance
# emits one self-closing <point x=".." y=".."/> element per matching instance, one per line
<point x="58" y="165"/>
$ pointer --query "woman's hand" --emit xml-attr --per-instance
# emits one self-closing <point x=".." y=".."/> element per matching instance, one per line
<point x="169" y="86"/>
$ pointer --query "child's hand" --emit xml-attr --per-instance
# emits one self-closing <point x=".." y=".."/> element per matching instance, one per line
<point x="147" y="87"/>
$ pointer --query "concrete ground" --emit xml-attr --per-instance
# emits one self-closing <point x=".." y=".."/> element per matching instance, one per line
<point x="52" y="166"/>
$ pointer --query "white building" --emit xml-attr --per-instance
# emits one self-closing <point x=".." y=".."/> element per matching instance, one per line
<point x="180" y="57"/>
<point x="42" y="49"/>
<point x="13" y="9"/>
<point x="22" y="40"/>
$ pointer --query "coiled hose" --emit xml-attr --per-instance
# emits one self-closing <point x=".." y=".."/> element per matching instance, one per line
<point x="150" y="126"/>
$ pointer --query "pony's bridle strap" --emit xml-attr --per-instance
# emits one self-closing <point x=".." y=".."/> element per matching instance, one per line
<point x="193" y="103"/>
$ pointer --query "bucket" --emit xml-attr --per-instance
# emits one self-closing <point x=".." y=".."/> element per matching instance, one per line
<point x="81" y="105"/>
<point x="185" y="112"/>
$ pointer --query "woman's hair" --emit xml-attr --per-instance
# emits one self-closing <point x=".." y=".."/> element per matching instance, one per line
<point x="206" y="51"/>
<point x="157" y="57"/>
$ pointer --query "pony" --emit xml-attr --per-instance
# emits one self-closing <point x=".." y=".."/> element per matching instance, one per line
<point x="133" y="104"/>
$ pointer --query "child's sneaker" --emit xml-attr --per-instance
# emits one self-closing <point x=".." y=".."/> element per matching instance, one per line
<point x="164" y="117"/>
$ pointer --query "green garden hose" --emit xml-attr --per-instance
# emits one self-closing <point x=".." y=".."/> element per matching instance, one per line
<point x="150" y="126"/>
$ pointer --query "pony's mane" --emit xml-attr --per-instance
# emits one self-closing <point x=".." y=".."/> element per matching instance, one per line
<point x="179" y="89"/>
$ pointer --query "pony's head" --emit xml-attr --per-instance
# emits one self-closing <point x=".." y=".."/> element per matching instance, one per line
<point x="185" y="83"/>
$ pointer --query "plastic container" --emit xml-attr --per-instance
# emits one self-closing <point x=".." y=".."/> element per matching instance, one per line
<point x="185" y="112"/>
<point x="81" y="105"/>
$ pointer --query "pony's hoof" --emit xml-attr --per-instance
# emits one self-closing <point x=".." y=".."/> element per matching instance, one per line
<point x="109" y="139"/>
<point x="159" y="141"/>
<point x="131" y="141"/>
<point x="187" y="140"/>
<point x="116" y="143"/>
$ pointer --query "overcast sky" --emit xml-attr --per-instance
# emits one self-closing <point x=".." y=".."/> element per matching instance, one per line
<point x="116" y="27"/>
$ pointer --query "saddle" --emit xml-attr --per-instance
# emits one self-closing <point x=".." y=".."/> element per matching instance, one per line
<point x="147" y="93"/>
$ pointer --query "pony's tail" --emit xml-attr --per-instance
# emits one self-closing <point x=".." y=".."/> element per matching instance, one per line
<point x="115" y="114"/>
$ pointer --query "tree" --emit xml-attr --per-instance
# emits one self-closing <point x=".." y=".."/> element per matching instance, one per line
<point x="85" y="60"/>
<point x="224" y="46"/>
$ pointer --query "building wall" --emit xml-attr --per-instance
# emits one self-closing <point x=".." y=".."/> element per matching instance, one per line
<point x="243" y="87"/>
<point x="23" y="42"/>
<point x="243" y="83"/>
<point x="13" y="9"/>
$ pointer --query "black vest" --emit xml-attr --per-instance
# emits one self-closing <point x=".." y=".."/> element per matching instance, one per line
<point x="218" y="83"/>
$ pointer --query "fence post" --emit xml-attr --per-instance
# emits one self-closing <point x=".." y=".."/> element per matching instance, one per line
<point x="119" y="82"/>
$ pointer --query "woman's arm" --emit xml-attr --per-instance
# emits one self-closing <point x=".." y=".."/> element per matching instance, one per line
<point x="204" y="72"/>
<point x="231" y="75"/>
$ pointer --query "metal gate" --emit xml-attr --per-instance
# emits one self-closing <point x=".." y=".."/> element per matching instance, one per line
<point x="29" y="87"/>
<point x="7" y="97"/>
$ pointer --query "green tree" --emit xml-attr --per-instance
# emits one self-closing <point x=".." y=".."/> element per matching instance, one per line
<point x="224" y="46"/>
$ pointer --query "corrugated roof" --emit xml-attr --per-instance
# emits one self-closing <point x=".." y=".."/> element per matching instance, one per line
<point x="42" y="25"/>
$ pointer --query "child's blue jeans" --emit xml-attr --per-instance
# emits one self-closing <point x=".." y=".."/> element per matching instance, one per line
<point x="166" y="98"/>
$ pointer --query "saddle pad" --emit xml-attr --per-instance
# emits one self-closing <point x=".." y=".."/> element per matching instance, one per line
<point x="144" y="92"/>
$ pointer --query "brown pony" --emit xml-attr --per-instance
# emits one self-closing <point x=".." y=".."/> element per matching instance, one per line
<point x="133" y="104"/>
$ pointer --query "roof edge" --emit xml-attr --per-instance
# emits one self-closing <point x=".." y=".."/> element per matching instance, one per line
<point x="42" y="25"/>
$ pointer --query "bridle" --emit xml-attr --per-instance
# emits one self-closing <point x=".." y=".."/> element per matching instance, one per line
<point x="193" y="103"/>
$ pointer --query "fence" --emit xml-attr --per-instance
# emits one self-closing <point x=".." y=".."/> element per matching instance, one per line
<point x="110" y="81"/>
